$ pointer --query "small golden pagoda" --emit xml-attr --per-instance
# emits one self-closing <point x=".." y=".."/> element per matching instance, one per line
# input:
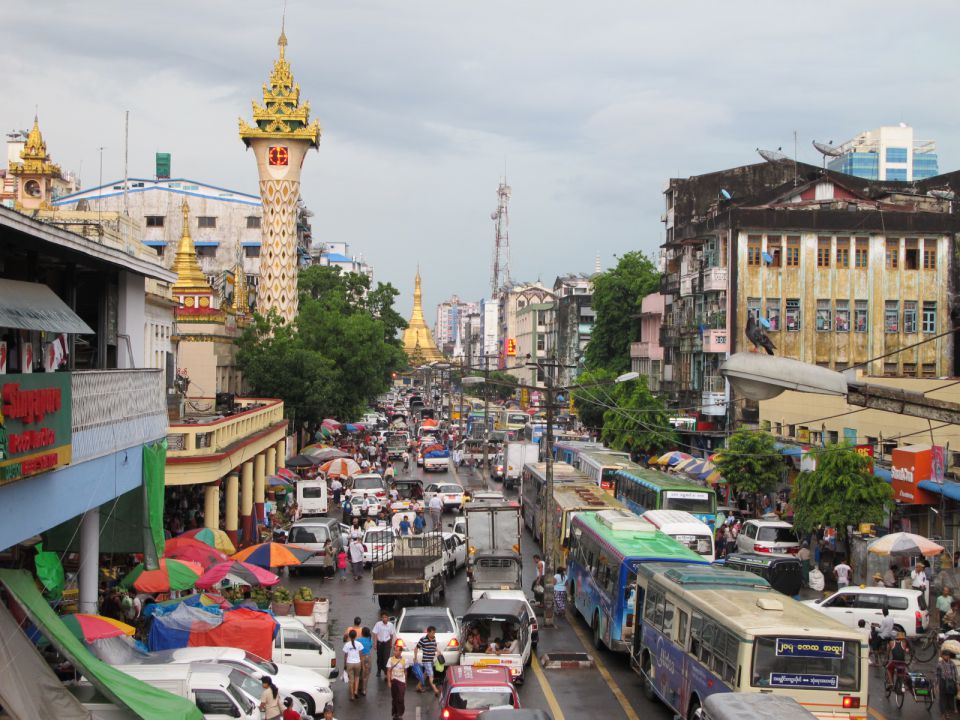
<point x="192" y="289"/>
<point x="36" y="174"/>
<point x="418" y="341"/>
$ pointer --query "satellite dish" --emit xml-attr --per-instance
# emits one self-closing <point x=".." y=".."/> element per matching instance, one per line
<point x="943" y="194"/>
<point x="772" y="155"/>
<point x="827" y="150"/>
<point x="725" y="194"/>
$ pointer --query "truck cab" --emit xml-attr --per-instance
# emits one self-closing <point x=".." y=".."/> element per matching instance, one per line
<point x="497" y="632"/>
<point x="494" y="570"/>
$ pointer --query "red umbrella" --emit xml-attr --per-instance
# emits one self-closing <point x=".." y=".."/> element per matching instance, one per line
<point x="239" y="571"/>
<point x="193" y="550"/>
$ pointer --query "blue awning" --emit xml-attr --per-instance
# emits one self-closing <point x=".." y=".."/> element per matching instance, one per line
<point x="789" y="450"/>
<point x="882" y="473"/>
<point x="250" y="243"/>
<point x="206" y="243"/>
<point x="155" y="243"/>
<point x="949" y="489"/>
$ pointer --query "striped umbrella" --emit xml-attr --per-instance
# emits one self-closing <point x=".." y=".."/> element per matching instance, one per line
<point x="902" y="544"/>
<point x="340" y="467"/>
<point x="713" y="477"/>
<point x="287" y="474"/>
<point x="171" y="575"/>
<point x="330" y="423"/>
<point x="214" y="538"/>
<point x="240" y="572"/>
<point x="271" y="554"/>
<point x="192" y="550"/>
<point x="95" y="627"/>
<point x="277" y="481"/>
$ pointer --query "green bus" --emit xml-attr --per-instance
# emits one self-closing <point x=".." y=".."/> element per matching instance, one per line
<point x="641" y="489"/>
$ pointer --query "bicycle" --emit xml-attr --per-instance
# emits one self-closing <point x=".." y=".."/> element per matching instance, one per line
<point x="916" y="683"/>
<point x="925" y="647"/>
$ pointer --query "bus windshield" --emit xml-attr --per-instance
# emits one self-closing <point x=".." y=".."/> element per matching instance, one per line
<point x="691" y="501"/>
<point x="807" y="663"/>
<point x="608" y="478"/>
<point x="517" y="419"/>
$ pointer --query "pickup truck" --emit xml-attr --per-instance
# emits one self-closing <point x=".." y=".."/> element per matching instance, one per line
<point x="436" y="461"/>
<point x="396" y="444"/>
<point x="493" y="545"/>
<point x="413" y="570"/>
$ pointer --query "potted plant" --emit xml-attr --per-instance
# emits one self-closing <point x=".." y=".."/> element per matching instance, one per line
<point x="280" y="601"/>
<point x="261" y="596"/>
<point x="303" y="601"/>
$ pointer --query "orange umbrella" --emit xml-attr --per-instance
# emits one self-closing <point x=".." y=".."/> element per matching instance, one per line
<point x="271" y="554"/>
<point x="340" y="467"/>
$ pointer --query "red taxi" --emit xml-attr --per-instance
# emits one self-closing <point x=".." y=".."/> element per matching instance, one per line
<point x="468" y="691"/>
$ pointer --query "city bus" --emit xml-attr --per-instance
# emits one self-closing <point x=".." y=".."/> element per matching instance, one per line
<point x="568" y="450"/>
<point x="601" y="466"/>
<point x="704" y="630"/>
<point x="641" y="489"/>
<point x="536" y="428"/>
<point x="510" y="420"/>
<point x="569" y="499"/>
<point x="606" y="550"/>
<point x="533" y="484"/>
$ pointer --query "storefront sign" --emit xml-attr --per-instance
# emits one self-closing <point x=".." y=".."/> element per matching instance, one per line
<point x="35" y="422"/>
<point x="910" y="465"/>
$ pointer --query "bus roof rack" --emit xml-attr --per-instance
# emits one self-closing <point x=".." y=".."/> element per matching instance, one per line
<point x="712" y="575"/>
<point x="623" y="520"/>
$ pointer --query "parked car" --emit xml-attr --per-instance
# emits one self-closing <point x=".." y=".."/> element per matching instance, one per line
<point x="370" y="490"/>
<point x="468" y="691"/>
<point x="413" y="624"/>
<point x="851" y="604"/>
<point x="451" y="494"/>
<point x="297" y="645"/>
<point x="768" y="536"/>
<point x="377" y="544"/>
<point x="314" y="534"/>
<point x="454" y="552"/>
<point x="783" y="572"/>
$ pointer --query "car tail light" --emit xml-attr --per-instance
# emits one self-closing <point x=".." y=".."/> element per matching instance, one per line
<point x="446" y="712"/>
<point x="333" y="662"/>
<point x="454" y="643"/>
<point x="381" y="493"/>
<point x="793" y="550"/>
<point x="761" y="549"/>
<point x="919" y="616"/>
<point x="849" y="701"/>
<point x="514" y="671"/>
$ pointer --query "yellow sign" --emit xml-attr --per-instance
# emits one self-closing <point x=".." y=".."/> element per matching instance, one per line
<point x="524" y="398"/>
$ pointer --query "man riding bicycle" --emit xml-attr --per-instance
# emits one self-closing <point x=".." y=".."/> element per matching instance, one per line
<point x="882" y="635"/>
<point x="900" y="656"/>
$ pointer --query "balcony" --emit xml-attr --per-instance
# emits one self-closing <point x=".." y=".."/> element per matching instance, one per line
<point x="116" y="409"/>
<point x="714" y="383"/>
<point x="715" y="341"/>
<point x="686" y="284"/>
<point x="215" y="434"/>
<point x="670" y="283"/>
<point x="715" y="279"/>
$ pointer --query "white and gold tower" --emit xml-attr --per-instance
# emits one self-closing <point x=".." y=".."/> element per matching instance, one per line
<point x="280" y="137"/>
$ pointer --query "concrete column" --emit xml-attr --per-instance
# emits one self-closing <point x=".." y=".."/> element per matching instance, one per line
<point x="211" y="506"/>
<point x="246" y="501"/>
<point x="89" y="561"/>
<point x="271" y="468"/>
<point x="281" y="454"/>
<point x="258" y="495"/>
<point x="231" y="521"/>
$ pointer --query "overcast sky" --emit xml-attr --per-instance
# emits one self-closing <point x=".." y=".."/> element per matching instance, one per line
<point x="591" y="106"/>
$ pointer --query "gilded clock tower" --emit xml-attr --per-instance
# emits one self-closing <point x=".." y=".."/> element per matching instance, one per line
<point x="280" y="137"/>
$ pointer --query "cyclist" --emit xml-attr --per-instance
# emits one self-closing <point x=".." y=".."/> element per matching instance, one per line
<point x="900" y="657"/>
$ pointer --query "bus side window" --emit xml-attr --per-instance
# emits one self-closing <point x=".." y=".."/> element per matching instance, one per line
<point x="696" y="628"/>
<point x="650" y="605"/>
<point x="668" y="620"/>
<point x="682" y="629"/>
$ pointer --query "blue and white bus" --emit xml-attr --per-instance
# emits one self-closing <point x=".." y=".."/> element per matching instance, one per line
<point x="642" y="489"/>
<point x="606" y="549"/>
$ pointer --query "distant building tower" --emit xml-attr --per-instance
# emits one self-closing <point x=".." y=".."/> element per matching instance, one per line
<point x="887" y="153"/>
<point x="38" y="181"/>
<point x="281" y="136"/>
<point x="500" y="275"/>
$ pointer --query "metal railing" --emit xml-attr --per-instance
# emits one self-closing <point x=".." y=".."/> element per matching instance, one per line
<point x="210" y="436"/>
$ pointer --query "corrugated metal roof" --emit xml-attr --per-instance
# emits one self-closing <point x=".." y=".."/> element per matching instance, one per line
<point x="32" y="306"/>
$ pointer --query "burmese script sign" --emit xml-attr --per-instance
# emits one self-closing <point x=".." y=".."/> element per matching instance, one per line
<point x="35" y="422"/>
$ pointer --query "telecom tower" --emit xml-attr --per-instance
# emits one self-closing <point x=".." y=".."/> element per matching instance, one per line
<point x="501" y="246"/>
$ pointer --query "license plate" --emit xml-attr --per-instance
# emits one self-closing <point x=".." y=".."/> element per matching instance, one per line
<point x="481" y="663"/>
<point x="450" y="498"/>
<point x="920" y="691"/>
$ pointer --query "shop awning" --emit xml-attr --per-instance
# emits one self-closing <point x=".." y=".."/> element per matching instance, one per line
<point x="949" y="489"/>
<point x="145" y="700"/>
<point x="32" y="306"/>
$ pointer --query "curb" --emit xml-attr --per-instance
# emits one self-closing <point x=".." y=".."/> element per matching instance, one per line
<point x="566" y="661"/>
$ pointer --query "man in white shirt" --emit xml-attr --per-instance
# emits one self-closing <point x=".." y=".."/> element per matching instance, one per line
<point x="842" y="572"/>
<point x="918" y="578"/>
<point x="436" y="512"/>
<point x="385" y="633"/>
<point x="356" y="558"/>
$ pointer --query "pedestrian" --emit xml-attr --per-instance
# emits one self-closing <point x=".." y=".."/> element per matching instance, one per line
<point x="841" y="571"/>
<point x="357" y="627"/>
<point x="356" y="558"/>
<point x="366" y="658"/>
<point x="269" y="699"/>
<point x="336" y="488"/>
<point x="396" y="673"/>
<point x="385" y="633"/>
<point x="419" y="523"/>
<point x="404" y="525"/>
<point x="328" y="712"/>
<point x="918" y="578"/>
<point x="426" y="651"/>
<point x="890" y="576"/>
<point x="352" y="663"/>
<point x="803" y="555"/>
<point x="436" y="512"/>
<point x="560" y="591"/>
<point x="944" y="602"/>
<point x="289" y="713"/>
<point x="347" y="509"/>
<point x="538" y="584"/>
<point x="342" y="564"/>
<point x="947" y="684"/>
<point x="133" y="606"/>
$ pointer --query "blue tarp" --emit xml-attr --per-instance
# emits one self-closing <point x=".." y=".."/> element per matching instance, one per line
<point x="438" y="454"/>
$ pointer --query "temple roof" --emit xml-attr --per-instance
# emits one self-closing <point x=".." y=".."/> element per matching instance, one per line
<point x="190" y="277"/>
<point x="36" y="160"/>
<point x="418" y="341"/>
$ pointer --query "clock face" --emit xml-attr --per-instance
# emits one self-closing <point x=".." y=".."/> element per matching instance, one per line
<point x="278" y="155"/>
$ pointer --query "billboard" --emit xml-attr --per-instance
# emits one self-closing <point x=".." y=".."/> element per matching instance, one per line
<point x="35" y="424"/>
<point x="910" y="465"/>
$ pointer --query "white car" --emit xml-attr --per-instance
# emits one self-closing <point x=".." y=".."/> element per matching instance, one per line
<point x="460" y="527"/>
<point x="308" y="686"/>
<point x="370" y="491"/>
<point x="413" y="624"/>
<point x="297" y="645"/>
<point x="454" y="552"/>
<point x="768" y="536"/>
<point x="251" y="686"/>
<point x="377" y="544"/>
<point x="450" y="493"/>
<point x="851" y="604"/>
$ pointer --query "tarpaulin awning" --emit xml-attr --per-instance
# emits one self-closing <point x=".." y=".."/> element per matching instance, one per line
<point x="949" y="489"/>
<point x="145" y="700"/>
<point x="32" y="306"/>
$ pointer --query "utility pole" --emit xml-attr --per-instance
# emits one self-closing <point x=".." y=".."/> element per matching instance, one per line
<point x="548" y="531"/>
<point x="486" y="412"/>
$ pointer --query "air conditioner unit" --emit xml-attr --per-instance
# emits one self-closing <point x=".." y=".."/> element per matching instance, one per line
<point x="618" y="520"/>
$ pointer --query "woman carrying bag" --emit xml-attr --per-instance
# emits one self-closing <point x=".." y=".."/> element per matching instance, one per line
<point x="947" y="685"/>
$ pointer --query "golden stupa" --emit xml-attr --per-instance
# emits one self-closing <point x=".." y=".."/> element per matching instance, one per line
<point x="418" y="341"/>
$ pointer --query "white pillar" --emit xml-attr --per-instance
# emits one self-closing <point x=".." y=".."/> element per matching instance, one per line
<point x="89" y="561"/>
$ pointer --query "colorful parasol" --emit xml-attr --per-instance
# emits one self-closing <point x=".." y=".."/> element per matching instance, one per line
<point x="429" y="422"/>
<point x="904" y="544"/>
<point x="330" y="423"/>
<point x="713" y="477"/>
<point x="270" y="554"/>
<point x="214" y="538"/>
<point x="673" y="457"/>
<point x="172" y="575"/>
<point x="323" y="454"/>
<point x="96" y="627"/>
<point x="277" y="481"/>
<point x="301" y="461"/>
<point x="340" y="467"/>
<point x="201" y="600"/>
<point x="353" y="427"/>
<point x="287" y="474"/>
<point x="193" y="550"/>
<point x="240" y="572"/>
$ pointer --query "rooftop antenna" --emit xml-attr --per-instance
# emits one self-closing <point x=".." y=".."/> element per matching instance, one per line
<point x="775" y="156"/>
<point x="500" y="274"/>
<point x="100" y="191"/>
<point x="126" y="161"/>
<point x="827" y="150"/>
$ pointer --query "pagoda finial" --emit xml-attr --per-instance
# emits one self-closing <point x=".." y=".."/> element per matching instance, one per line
<point x="186" y="265"/>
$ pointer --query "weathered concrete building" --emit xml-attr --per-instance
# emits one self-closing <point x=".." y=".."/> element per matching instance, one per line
<point x="646" y="355"/>
<point x="573" y="321"/>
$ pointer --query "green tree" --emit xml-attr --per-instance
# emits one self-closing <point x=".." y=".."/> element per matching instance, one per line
<point x="617" y="295"/>
<point x="840" y="492"/>
<point x="337" y="355"/>
<point x="590" y="405"/>
<point x="638" y="422"/>
<point x="750" y="462"/>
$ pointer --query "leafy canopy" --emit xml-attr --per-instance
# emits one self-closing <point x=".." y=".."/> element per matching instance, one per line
<point x="638" y="422"/>
<point x="750" y="462"/>
<point x="337" y="355"/>
<point x="617" y="296"/>
<point x="841" y="491"/>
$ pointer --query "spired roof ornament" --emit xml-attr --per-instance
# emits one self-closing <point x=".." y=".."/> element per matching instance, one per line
<point x="281" y="116"/>
<point x="190" y="277"/>
<point x="36" y="161"/>
<point x="418" y="341"/>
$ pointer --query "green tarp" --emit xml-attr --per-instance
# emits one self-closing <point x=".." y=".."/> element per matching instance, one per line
<point x="145" y="700"/>
<point x="154" y="480"/>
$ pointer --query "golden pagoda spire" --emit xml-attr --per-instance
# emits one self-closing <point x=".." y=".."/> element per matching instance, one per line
<point x="240" y="295"/>
<point x="418" y="341"/>
<point x="36" y="161"/>
<point x="190" y="277"/>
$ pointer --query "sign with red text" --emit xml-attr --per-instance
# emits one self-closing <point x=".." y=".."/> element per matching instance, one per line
<point x="35" y="423"/>
<point x="910" y="465"/>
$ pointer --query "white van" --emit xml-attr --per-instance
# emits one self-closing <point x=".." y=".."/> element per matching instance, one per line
<point x="685" y="529"/>
<point x="296" y="645"/>
<point x="207" y="686"/>
<point x="312" y="496"/>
